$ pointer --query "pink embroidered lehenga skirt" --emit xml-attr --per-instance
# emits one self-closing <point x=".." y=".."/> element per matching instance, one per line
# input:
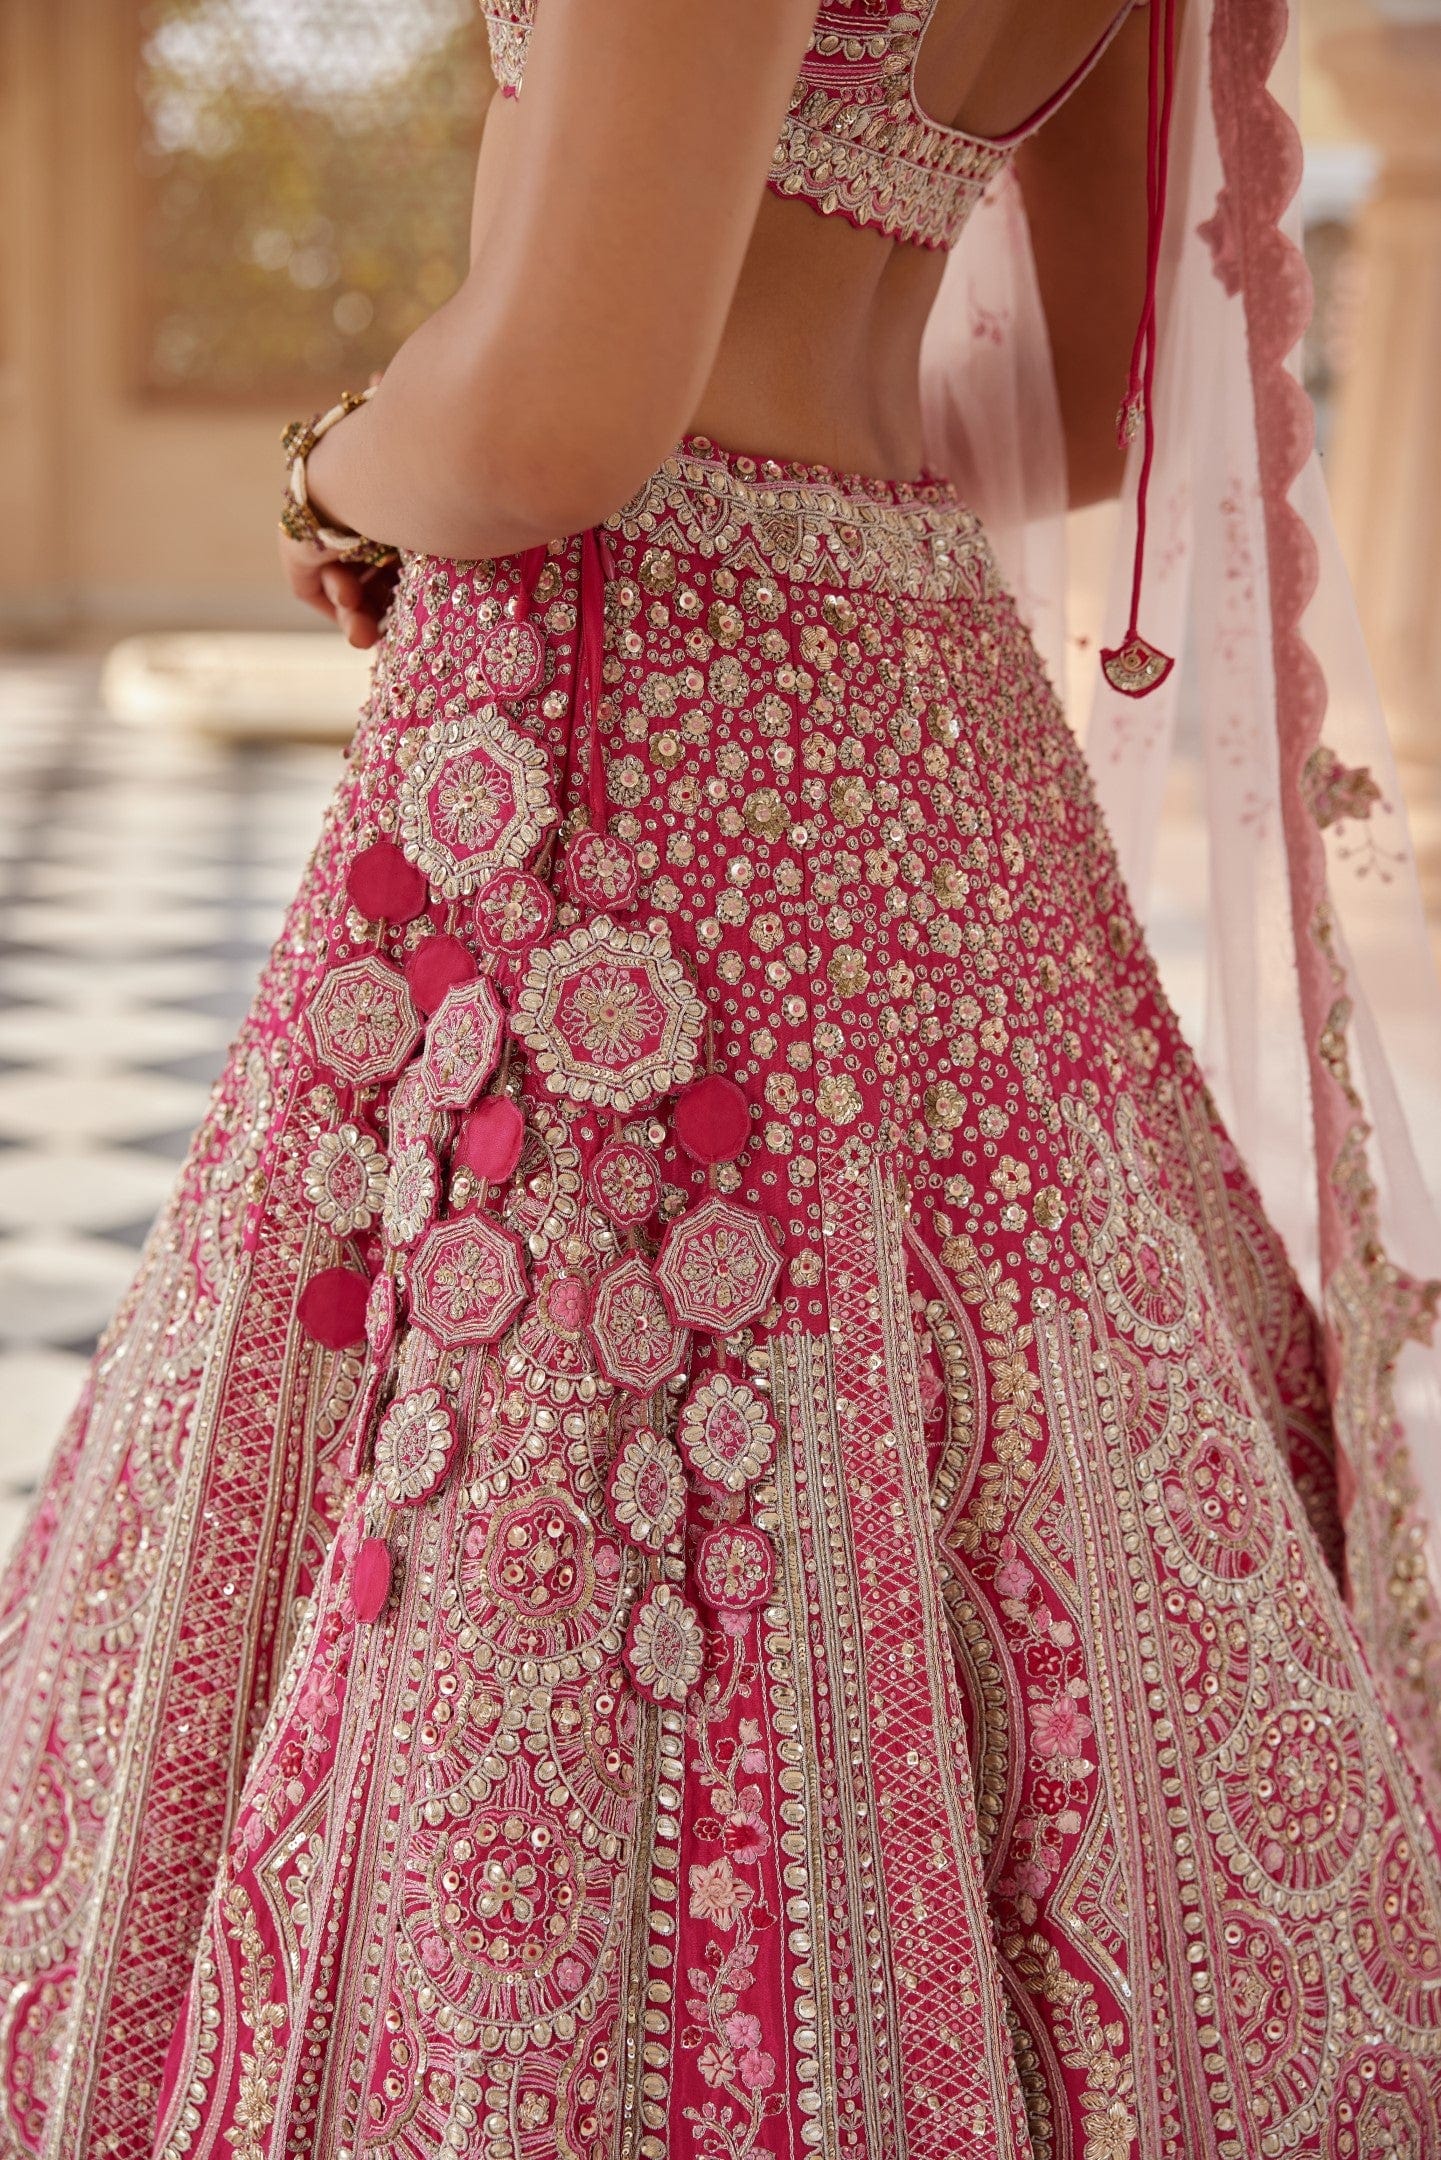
<point x="710" y="1528"/>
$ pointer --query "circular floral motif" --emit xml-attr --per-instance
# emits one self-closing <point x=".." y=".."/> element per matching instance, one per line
<point x="364" y="1021"/>
<point x="468" y="1280"/>
<point x="1383" y="2107"/>
<point x="637" y="1343"/>
<point x="538" y="1582"/>
<point x="600" y="871"/>
<point x="718" y="1266"/>
<point x="839" y="1099"/>
<point x="1218" y="1510"/>
<point x="610" y="1015"/>
<point x="507" y="1912"/>
<point x="552" y="1331"/>
<point x="411" y="1193"/>
<point x="511" y="660"/>
<point x="646" y="1490"/>
<point x="345" y="1174"/>
<point x="1396" y="1917"/>
<point x="735" y="1568"/>
<point x="1276" y="1987"/>
<point x="513" y="911"/>
<point x="1149" y="1284"/>
<point x="414" y="1447"/>
<point x="476" y="799"/>
<point x="1301" y="1795"/>
<point x="726" y="1433"/>
<point x="625" y="1182"/>
<point x="665" y="1645"/>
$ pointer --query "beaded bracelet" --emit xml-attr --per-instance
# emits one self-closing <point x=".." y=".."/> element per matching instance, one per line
<point x="298" y="517"/>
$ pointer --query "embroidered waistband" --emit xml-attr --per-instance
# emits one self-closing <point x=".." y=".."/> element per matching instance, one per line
<point x="910" y="537"/>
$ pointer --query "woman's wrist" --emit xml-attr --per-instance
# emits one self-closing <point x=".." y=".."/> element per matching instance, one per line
<point x="306" y="515"/>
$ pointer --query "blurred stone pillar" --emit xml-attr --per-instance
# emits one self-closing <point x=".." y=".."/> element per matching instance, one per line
<point x="1384" y="467"/>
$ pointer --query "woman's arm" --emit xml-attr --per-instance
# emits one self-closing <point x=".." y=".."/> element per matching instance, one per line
<point x="539" y="398"/>
<point x="1083" y="176"/>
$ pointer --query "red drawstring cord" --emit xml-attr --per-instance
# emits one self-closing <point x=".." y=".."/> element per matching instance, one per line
<point x="531" y="562"/>
<point x="1136" y="666"/>
<point x="596" y="567"/>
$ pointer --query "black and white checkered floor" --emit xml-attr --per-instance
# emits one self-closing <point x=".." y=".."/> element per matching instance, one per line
<point x="142" y="879"/>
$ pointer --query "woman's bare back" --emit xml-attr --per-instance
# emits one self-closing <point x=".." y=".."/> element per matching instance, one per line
<point x="819" y="356"/>
<point x="632" y="277"/>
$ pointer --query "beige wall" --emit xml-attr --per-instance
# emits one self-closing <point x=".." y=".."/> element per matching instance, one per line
<point x="114" y="509"/>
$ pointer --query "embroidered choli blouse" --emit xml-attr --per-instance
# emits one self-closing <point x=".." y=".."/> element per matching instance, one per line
<point x="856" y="142"/>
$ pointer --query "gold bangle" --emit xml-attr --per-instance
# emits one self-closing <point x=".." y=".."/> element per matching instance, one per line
<point x="297" y="517"/>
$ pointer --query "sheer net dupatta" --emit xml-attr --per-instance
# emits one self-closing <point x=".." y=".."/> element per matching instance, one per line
<point x="1323" y="1013"/>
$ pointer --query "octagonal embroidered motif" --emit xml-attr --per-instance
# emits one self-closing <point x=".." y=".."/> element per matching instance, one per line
<point x="363" y="1020"/>
<point x="735" y="1568"/>
<point x="415" y="1447"/>
<point x="610" y="1015"/>
<point x="637" y="1344"/>
<point x="477" y="799"/>
<point x="467" y="1280"/>
<point x="718" y="1266"/>
<point x="511" y="659"/>
<point x="462" y="1044"/>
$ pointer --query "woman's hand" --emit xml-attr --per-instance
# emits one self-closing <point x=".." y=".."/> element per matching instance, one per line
<point x="348" y="594"/>
<point x="535" y="400"/>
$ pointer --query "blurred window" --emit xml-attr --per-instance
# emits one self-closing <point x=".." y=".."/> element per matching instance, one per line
<point x="306" y="168"/>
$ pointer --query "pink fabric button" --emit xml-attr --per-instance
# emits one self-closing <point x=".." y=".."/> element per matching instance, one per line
<point x="491" y="1139"/>
<point x="435" y="968"/>
<point x="331" y="1307"/>
<point x="384" y="885"/>
<point x="370" y="1579"/>
<point x="712" y="1119"/>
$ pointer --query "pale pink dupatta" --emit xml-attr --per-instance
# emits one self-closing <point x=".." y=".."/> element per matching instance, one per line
<point x="1320" y="987"/>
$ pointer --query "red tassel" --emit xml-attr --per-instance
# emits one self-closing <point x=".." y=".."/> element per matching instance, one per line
<point x="1136" y="666"/>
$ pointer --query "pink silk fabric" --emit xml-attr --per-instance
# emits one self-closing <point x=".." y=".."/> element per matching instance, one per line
<point x="1030" y="1793"/>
